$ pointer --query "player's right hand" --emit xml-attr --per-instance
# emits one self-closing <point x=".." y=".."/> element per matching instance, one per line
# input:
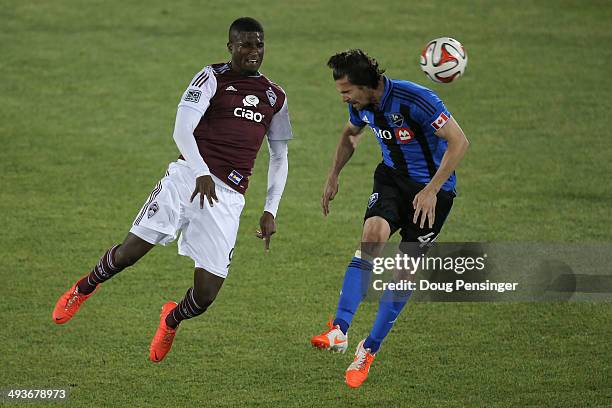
<point x="329" y="192"/>
<point x="205" y="186"/>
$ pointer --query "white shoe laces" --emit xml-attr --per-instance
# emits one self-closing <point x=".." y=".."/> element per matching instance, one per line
<point x="73" y="298"/>
<point x="359" y="360"/>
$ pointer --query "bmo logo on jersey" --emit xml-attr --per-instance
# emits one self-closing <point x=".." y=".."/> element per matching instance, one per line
<point x="404" y="135"/>
<point x="382" y="134"/>
<point x="249" y="100"/>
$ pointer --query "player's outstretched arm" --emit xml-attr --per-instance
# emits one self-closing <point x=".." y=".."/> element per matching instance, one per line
<point x="424" y="202"/>
<point x="346" y="146"/>
<point x="278" y="169"/>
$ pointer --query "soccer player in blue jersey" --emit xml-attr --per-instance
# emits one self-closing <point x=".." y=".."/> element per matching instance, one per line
<point x="413" y="191"/>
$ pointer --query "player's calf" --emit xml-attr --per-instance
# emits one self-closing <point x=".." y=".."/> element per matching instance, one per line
<point x="69" y="303"/>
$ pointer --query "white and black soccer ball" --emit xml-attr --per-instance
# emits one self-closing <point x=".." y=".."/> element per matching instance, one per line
<point x="444" y="59"/>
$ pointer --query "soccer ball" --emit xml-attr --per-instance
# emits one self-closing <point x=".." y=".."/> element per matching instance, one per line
<point x="444" y="59"/>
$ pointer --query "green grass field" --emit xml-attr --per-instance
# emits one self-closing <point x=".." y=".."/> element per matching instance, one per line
<point x="88" y="94"/>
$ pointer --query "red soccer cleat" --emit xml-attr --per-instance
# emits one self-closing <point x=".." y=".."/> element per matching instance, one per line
<point x="357" y="372"/>
<point x="332" y="339"/>
<point x="164" y="336"/>
<point x="69" y="303"/>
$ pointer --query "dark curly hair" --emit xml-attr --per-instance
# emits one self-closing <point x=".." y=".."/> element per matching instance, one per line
<point x="245" y="24"/>
<point x="357" y="66"/>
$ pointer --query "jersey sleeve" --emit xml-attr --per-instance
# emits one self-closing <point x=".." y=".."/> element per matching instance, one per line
<point x="429" y="110"/>
<point x="201" y="89"/>
<point x="280" y="126"/>
<point x="354" y="116"/>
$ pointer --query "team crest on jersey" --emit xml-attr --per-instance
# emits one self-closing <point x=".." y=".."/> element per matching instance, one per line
<point x="153" y="208"/>
<point x="250" y="100"/>
<point x="395" y="119"/>
<point x="372" y="200"/>
<point x="193" y="95"/>
<point x="271" y="96"/>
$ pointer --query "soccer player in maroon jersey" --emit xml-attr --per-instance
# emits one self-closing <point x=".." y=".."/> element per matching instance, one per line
<point x="221" y="121"/>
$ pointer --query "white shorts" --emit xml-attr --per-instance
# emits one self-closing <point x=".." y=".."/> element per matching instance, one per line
<point x="207" y="235"/>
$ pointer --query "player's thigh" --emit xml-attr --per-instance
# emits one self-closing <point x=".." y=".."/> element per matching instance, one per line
<point x="412" y="232"/>
<point x="209" y="235"/>
<point x="384" y="202"/>
<point x="161" y="216"/>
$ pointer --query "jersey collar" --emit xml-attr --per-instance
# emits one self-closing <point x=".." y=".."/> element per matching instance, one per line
<point x="386" y="93"/>
<point x="257" y="75"/>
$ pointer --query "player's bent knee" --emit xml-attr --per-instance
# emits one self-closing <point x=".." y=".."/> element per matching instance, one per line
<point x="131" y="250"/>
<point x="125" y="257"/>
<point x="376" y="229"/>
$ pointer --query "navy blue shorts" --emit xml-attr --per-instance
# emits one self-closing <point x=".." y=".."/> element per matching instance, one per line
<point x="391" y="199"/>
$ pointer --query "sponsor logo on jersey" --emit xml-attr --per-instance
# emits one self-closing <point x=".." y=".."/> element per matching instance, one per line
<point x="365" y="119"/>
<point x="382" y="134"/>
<point x="235" y="177"/>
<point x="404" y="134"/>
<point x="250" y="100"/>
<point x="440" y="121"/>
<point x="193" y="95"/>
<point x="395" y="119"/>
<point x="231" y="88"/>
<point x="271" y="96"/>
<point x="372" y="200"/>
<point x="153" y="208"/>
<point x="248" y="114"/>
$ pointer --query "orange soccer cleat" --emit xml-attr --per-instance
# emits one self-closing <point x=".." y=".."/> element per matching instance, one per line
<point x="332" y="339"/>
<point x="357" y="372"/>
<point x="164" y="336"/>
<point x="69" y="303"/>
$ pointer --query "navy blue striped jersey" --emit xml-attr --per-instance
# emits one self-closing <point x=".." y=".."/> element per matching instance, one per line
<point x="405" y="127"/>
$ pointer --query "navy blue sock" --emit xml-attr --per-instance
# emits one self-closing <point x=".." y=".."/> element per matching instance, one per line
<point x="343" y="325"/>
<point x="389" y="307"/>
<point x="354" y="288"/>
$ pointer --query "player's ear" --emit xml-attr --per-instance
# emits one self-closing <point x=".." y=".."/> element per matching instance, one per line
<point x="229" y="47"/>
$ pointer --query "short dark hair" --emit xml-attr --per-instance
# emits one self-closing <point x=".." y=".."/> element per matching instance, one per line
<point x="245" y="24"/>
<point x="357" y="66"/>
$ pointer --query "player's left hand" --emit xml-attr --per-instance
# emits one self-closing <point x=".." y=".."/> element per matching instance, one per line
<point x="424" y="204"/>
<point x="267" y="228"/>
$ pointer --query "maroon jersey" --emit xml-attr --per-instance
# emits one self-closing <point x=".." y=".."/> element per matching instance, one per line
<point x="238" y="111"/>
